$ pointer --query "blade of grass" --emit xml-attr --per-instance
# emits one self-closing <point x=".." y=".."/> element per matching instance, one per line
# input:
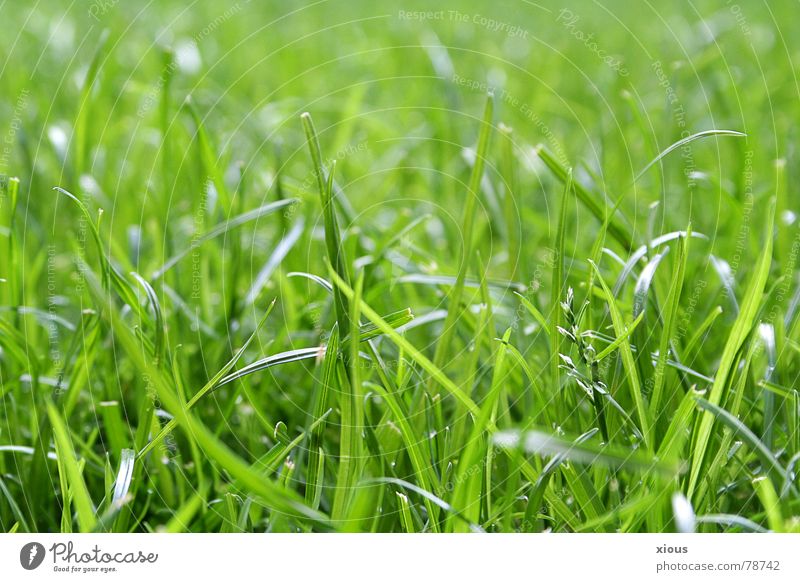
<point x="741" y="329"/>
<point x="467" y="489"/>
<point x="85" y="109"/>
<point x="405" y="512"/>
<point x="542" y="443"/>
<point x="222" y="229"/>
<point x="687" y="140"/>
<point x="333" y="240"/>
<point x="315" y="469"/>
<point x="771" y="464"/>
<point x="209" y="158"/>
<point x="412" y="352"/>
<point x="454" y="309"/>
<point x="351" y="411"/>
<point x="276" y="497"/>
<point x="213" y="383"/>
<point x="69" y="468"/>
<point x="615" y="226"/>
<point x="670" y="316"/>
<point x="631" y="373"/>
<point x="558" y="289"/>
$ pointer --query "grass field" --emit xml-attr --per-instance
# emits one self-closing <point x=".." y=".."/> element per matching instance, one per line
<point x="369" y="266"/>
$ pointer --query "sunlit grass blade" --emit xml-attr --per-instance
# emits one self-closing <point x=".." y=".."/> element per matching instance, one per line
<point x="124" y="475"/>
<point x="405" y="513"/>
<point x="629" y="330"/>
<point x="435" y="372"/>
<point x="769" y="499"/>
<point x="732" y="521"/>
<point x="275" y="259"/>
<point x="70" y="471"/>
<point x="738" y="334"/>
<point x="685" y="141"/>
<point x="432" y="498"/>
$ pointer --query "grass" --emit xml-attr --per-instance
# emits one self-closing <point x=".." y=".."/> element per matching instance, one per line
<point x="495" y="285"/>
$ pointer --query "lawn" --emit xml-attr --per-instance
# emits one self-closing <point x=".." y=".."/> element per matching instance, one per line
<point x="381" y="267"/>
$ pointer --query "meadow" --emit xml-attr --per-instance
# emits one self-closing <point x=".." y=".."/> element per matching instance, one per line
<point x="381" y="267"/>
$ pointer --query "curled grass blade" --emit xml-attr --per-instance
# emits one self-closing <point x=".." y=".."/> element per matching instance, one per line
<point x="688" y="140"/>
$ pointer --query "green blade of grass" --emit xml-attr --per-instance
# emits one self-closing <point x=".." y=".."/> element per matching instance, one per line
<point x="558" y="288"/>
<point x="737" y="426"/>
<point x="222" y="229"/>
<point x="85" y="108"/>
<point x="629" y="364"/>
<point x="275" y="259"/>
<point x="629" y="330"/>
<point x="769" y="499"/>
<point x="510" y="203"/>
<point x="276" y="497"/>
<point x="111" y="277"/>
<point x="467" y="488"/>
<point x="333" y="240"/>
<point x="702" y="330"/>
<point x="687" y="140"/>
<point x="615" y="226"/>
<point x="70" y="471"/>
<point x="180" y="520"/>
<point x="741" y="329"/>
<point x="209" y="158"/>
<point x="159" y="342"/>
<point x="536" y="496"/>
<point x="431" y="497"/>
<point x="454" y="309"/>
<point x="436" y="373"/>
<point x="643" y="339"/>
<point x="15" y="509"/>
<point x="9" y="291"/>
<point x="213" y="383"/>
<point x="405" y="512"/>
<point x="537" y="315"/>
<point x="542" y="443"/>
<point x="670" y="316"/>
<point x="314" y="471"/>
<point x="351" y="409"/>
